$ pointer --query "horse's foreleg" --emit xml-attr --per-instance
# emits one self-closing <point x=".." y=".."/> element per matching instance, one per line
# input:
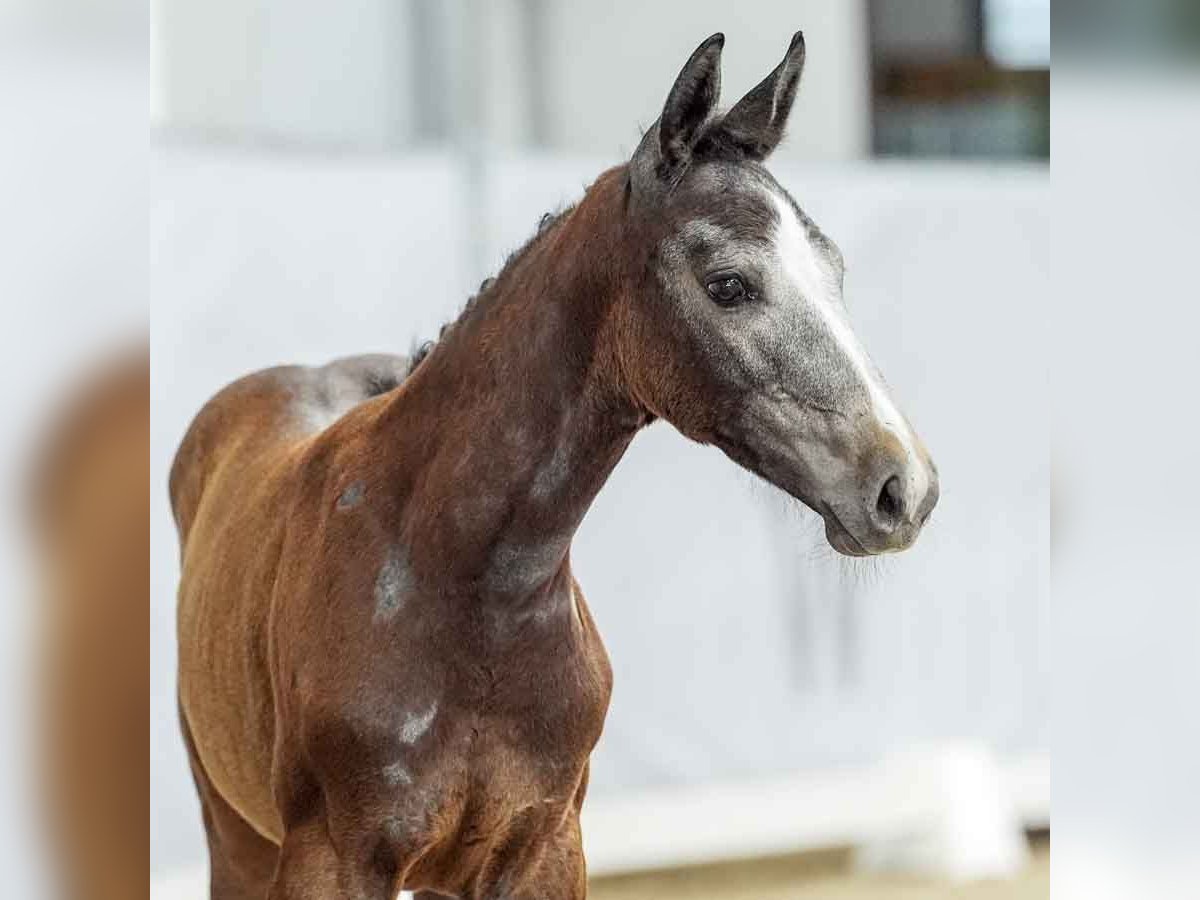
<point x="241" y="861"/>
<point x="308" y="867"/>
<point x="558" y="873"/>
<point x="311" y="868"/>
<point x="563" y="867"/>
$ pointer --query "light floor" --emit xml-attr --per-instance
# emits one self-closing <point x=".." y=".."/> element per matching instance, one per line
<point x="813" y="877"/>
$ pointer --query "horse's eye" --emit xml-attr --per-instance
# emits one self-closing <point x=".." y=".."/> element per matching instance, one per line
<point x="727" y="290"/>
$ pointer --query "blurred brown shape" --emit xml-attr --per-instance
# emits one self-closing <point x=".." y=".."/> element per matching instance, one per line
<point x="90" y="506"/>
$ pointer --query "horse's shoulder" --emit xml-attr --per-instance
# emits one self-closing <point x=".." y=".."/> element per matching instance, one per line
<point x="268" y="412"/>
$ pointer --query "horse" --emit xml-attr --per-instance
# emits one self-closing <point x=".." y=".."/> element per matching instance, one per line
<point x="388" y="676"/>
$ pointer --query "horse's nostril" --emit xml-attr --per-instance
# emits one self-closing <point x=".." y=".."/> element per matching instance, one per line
<point x="890" y="506"/>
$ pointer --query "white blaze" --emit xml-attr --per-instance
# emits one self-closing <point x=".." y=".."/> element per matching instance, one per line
<point x="807" y="271"/>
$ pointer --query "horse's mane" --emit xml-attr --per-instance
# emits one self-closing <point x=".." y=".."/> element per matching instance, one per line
<point x="545" y="224"/>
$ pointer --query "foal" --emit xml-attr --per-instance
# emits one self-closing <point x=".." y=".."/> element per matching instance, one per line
<point x="388" y="675"/>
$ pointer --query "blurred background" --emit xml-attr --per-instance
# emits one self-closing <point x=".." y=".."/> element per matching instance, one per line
<point x="784" y="724"/>
<point x="803" y="730"/>
<point x="314" y="161"/>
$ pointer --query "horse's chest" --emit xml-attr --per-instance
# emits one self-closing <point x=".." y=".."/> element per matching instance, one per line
<point x="502" y="763"/>
<point x="456" y="733"/>
<point x="544" y="713"/>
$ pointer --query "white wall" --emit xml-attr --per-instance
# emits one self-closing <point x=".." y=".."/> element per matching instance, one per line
<point x="304" y="71"/>
<point x="614" y="62"/>
<point x="349" y="74"/>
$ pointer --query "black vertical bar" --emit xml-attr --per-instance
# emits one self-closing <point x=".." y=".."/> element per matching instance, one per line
<point x="979" y="26"/>
<point x="432" y="103"/>
<point x="535" y="33"/>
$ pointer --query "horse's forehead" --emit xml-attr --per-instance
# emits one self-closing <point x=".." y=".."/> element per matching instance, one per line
<point x="739" y="201"/>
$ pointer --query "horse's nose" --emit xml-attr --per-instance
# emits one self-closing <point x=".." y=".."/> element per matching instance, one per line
<point x="932" y="492"/>
<point x="891" y="506"/>
<point x="904" y="500"/>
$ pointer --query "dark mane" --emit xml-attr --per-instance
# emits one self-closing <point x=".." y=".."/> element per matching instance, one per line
<point x="546" y="223"/>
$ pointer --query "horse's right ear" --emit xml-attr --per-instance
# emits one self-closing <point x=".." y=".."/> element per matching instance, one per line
<point x="667" y="147"/>
<point x="756" y="122"/>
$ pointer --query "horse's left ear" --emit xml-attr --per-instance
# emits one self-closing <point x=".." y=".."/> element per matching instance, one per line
<point x="756" y="122"/>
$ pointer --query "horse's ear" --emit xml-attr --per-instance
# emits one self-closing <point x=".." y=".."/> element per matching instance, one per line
<point x="667" y="147"/>
<point x="756" y="122"/>
<point x="691" y="101"/>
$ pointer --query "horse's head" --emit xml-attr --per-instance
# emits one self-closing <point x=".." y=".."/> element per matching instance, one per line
<point x="737" y="333"/>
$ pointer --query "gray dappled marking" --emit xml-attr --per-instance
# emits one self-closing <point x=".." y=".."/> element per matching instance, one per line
<point x="396" y="774"/>
<point x="351" y="496"/>
<point x="516" y="568"/>
<point x="392" y="584"/>
<point x="416" y="724"/>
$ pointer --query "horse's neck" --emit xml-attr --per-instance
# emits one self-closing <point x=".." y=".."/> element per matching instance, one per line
<point x="509" y="430"/>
